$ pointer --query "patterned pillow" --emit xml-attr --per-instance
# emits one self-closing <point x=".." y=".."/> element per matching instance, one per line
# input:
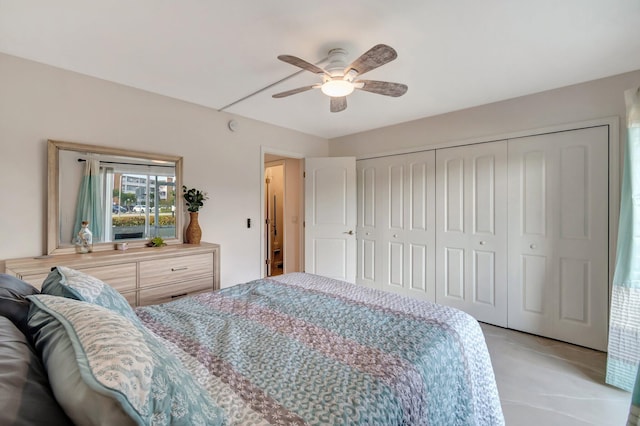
<point x="72" y="284"/>
<point x="105" y="370"/>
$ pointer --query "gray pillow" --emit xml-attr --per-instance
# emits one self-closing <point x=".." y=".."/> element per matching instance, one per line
<point x="13" y="303"/>
<point x="104" y="370"/>
<point x="25" y="395"/>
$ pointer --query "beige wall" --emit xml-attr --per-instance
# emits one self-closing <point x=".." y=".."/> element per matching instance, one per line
<point x="39" y="102"/>
<point x="592" y="100"/>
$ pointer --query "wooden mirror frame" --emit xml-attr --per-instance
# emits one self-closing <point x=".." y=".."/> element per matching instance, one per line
<point x="53" y="192"/>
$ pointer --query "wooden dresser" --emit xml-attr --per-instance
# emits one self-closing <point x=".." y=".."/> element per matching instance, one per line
<point x="144" y="276"/>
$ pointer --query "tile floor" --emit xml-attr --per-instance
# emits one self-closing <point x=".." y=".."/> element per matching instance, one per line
<point x="546" y="382"/>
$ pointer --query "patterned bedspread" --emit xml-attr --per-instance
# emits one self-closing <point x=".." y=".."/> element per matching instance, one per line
<point x="304" y="349"/>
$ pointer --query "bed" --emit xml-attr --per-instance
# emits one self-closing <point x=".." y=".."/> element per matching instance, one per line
<point x="294" y="349"/>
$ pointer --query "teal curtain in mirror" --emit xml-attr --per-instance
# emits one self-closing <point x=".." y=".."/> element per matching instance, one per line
<point x="624" y="326"/>
<point x="90" y="206"/>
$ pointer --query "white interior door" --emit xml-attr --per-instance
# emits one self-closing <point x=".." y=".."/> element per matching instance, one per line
<point x="369" y="264"/>
<point x="396" y="224"/>
<point x="471" y="230"/>
<point x="420" y="231"/>
<point x="330" y="217"/>
<point x="407" y="224"/>
<point x="558" y="236"/>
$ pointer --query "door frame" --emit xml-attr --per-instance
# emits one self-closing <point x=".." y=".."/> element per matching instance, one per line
<point x="289" y="154"/>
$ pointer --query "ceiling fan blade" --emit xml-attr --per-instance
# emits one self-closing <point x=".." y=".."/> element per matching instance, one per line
<point x="294" y="91"/>
<point x="378" y="55"/>
<point x="301" y="63"/>
<point x="382" y="87"/>
<point x="338" y="104"/>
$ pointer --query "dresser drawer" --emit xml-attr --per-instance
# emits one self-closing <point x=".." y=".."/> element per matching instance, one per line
<point x="183" y="268"/>
<point x="121" y="277"/>
<point x="131" y="297"/>
<point x="167" y="293"/>
<point x="35" y="280"/>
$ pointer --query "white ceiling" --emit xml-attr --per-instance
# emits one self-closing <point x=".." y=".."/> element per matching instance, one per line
<point x="452" y="54"/>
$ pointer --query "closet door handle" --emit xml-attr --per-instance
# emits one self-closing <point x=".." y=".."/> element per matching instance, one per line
<point x="350" y="232"/>
<point x="483" y="243"/>
<point x="395" y="235"/>
<point x="532" y="246"/>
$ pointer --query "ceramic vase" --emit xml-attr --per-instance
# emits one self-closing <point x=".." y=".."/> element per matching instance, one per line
<point x="84" y="241"/>
<point x="193" y="232"/>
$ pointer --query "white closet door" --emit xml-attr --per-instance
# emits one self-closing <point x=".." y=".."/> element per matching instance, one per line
<point x="396" y="224"/>
<point x="369" y="265"/>
<point x="393" y="223"/>
<point x="558" y="236"/>
<point x="471" y="236"/>
<point x="419" y="231"/>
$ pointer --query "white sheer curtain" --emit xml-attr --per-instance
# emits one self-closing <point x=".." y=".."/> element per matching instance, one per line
<point x="624" y="326"/>
<point x="107" y="226"/>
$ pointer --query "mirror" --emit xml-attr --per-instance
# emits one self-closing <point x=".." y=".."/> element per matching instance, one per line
<point x="126" y="196"/>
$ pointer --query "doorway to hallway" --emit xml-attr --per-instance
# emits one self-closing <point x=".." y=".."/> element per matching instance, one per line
<point x="282" y="214"/>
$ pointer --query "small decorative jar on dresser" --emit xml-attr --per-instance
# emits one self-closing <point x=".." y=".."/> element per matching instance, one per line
<point x="144" y="276"/>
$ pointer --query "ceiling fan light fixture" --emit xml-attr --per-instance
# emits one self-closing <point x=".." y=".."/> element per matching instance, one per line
<point x="337" y="88"/>
<point x="339" y="81"/>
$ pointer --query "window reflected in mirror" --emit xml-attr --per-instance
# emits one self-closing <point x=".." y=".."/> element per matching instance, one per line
<point x="142" y="205"/>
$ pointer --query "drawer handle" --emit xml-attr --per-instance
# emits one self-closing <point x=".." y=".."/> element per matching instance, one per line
<point x="175" y="296"/>
<point x="179" y="268"/>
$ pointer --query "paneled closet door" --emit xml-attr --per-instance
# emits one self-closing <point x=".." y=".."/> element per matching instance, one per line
<point x="369" y="265"/>
<point x="471" y="236"/>
<point x="405" y="223"/>
<point x="393" y="222"/>
<point x="558" y="235"/>
<point x="420" y="230"/>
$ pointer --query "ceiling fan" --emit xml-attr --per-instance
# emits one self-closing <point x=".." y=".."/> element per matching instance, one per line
<point x="340" y="80"/>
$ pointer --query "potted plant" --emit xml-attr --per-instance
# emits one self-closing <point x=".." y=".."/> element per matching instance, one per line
<point x="156" y="242"/>
<point x="194" y="198"/>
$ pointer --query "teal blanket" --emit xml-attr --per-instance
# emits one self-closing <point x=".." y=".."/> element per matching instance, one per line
<point x="304" y="349"/>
